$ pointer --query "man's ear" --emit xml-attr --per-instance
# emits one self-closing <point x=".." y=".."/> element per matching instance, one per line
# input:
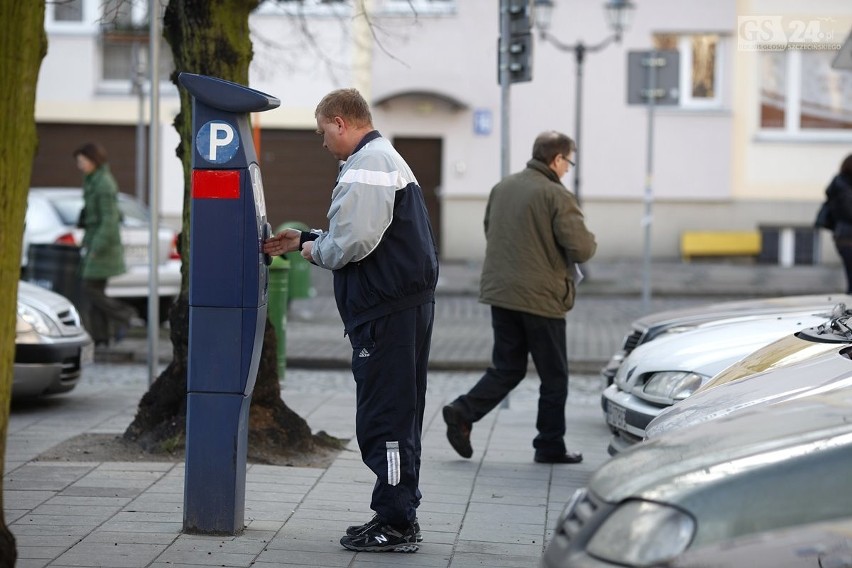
<point x="340" y="123"/>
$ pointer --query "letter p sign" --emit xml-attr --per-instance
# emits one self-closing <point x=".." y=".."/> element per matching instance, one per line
<point x="217" y="141"/>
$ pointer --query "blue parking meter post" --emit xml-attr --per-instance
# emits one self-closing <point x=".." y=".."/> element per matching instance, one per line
<point x="228" y="294"/>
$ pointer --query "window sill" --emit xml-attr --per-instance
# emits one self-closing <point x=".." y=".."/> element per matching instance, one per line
<point x="831" y="137"/>
<point x="675" y="110"/>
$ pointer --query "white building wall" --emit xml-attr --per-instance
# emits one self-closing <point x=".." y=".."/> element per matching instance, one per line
<point x="711" y="169"/>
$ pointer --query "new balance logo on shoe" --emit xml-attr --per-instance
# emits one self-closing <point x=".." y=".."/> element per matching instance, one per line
<point x="379" y="537"/>
<point x="364" y="352"/>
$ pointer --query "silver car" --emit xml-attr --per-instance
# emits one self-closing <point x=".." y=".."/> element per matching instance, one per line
<point x="659" y="324"/>
<point x="753" y="471"/>
<point x="812" y="361"/>
<point x="52" y="215"/>
<point x="51" y="346"/>
<point x="670" y="369"/>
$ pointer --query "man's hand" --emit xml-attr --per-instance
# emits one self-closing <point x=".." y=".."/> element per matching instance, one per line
<point x="284" y="242"/>
<point x="307" y="249"/>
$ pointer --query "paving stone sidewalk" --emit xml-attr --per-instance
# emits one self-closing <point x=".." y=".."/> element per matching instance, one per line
<point x="497" y="509"/>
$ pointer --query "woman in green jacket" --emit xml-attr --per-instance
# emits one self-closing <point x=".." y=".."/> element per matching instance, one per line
<point x="102" y="252"/>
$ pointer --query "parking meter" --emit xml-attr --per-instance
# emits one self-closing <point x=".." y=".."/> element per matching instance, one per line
<point x="227" y="300"/>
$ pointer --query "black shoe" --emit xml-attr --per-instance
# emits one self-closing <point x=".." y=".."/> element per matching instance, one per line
<point x="356" y="530"/>
<point x="382" y="538"/>
<point x="458" y="431"/>
<point x="565" y="457"/>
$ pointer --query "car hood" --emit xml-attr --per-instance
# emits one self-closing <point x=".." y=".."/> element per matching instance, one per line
<point x="710" y="350"/>
<point x="41" y="298"/>
<point x="822" y="372"/>
<point x="665" y="468"/>
<point x="696" y="315"/>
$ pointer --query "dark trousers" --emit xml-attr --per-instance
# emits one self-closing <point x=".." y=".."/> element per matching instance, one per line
<point x="103" y="315"/>
<point x="389" y="360"/>
<point x="517" y="335"/>
<point x="844" y="249"/>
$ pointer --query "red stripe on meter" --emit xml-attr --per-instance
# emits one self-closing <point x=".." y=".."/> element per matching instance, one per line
<point x="215" y="184"/>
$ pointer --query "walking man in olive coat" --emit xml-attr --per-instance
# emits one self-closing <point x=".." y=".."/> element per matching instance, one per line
<point x="535" y="235"/>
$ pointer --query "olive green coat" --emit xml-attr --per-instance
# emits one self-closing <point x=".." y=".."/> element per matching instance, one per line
<point x="103" y="253"/>
<point x="534" y="233"/>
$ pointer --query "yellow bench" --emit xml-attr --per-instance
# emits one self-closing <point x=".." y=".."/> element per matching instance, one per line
<point x="719" y="243"/>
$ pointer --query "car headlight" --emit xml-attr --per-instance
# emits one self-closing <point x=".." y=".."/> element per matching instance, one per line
<point x="642" y="533"/>
<point x="31" y="319"/>
<point x="673" y="385"/>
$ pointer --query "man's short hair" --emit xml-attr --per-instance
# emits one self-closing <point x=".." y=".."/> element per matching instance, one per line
<point x="550" y="144"/>
<point x="348" y="104"/>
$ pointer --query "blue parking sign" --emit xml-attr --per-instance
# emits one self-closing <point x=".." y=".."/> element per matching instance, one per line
<point x="482" y="122"/>
<point x="217" y="142"/>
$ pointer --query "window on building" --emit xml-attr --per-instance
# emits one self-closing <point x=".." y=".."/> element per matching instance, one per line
<point x="67" y="11"/>
<point x="68" y="16"/>
<point x="125" y="42"/>
<point x="700" y="67"/>
<point x="800" y="93"/>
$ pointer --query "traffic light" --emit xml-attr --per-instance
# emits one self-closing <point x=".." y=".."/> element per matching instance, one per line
<point x="515" y="15"/>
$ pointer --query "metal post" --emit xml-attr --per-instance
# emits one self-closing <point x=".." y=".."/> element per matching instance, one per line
<point x="139" y="91"/>
<point x="579" y="53"/>
<point x="647" y="219"/>
<point x="505" y="32"/>
<point x="154" y="192"/>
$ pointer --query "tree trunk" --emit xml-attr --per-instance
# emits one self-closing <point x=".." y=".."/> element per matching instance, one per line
<point x="211" y="37"/>
<point x="23" y="45"/>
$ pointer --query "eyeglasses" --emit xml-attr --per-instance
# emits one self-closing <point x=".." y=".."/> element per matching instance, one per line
<point x="568" y="160"/>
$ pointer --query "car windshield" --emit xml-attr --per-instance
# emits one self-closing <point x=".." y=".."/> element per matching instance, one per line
<point x="68" y="208"/>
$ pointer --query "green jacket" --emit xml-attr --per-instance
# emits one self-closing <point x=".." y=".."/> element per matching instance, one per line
<point x="103" y="253"/>
<point x="534" y="232"/>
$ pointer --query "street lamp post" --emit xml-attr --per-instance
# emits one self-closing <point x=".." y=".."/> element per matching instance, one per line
<point x="618" y="14"/>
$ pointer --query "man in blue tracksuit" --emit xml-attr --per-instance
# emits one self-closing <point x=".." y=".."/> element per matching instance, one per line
<point x="380" y="246"/>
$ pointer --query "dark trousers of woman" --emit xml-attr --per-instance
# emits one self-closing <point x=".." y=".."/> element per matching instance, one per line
<point x="516" y="336"/>
<point x="844" y="249"/>
<point x="389" y="360"/>
<point x="103" y="316"/>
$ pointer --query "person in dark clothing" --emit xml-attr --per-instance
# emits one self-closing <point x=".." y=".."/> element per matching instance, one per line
<point x="839" y="196"/>
<point x="535" y="234"/>
<point x="107" y="319"/>
<point x="380" y="246"/>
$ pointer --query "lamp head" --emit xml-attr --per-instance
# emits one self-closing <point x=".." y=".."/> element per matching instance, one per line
<point x="542" y="13"/>
<point x="619" y="16"/>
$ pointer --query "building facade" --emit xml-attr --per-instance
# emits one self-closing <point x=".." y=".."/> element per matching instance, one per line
<point x="759" y="125"/>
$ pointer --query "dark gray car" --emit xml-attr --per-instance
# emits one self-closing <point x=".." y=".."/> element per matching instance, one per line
<point x="753" y="471"/>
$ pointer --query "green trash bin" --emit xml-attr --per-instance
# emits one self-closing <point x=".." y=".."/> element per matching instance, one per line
<point x="300" y="269"/>
<point x="277" y="308"/>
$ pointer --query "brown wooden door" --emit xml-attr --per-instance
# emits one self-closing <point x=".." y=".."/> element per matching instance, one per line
<point x="54" y="164"/>
<point x="298" y="177"/>
<point x="424" y="157"/>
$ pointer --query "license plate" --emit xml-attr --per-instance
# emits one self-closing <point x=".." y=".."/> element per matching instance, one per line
<point x="87" y="354"/>
<point x="615" y="416"/>
<point x="136" y="254"/>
